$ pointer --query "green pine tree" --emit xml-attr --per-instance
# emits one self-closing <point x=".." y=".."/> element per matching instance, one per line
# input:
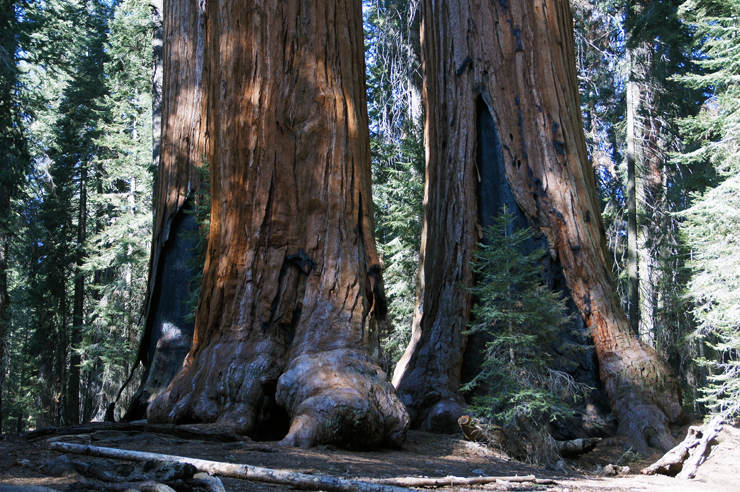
<point x="118" y="256"/>
<point x="523" y="317"/>
<point x="713" y="220"/>
<point x="13" y="170"/>
<point x="65" y="88"/>
<point x="396" y="140"/>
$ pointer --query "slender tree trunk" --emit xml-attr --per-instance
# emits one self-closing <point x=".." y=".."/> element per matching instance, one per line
<point x="644" y="182"/>
<point x="78" y="306"/>
<point x="168" y="331"/>
<point x="413" y="63"/>
<point x="632" y="261"/>
<point x="517" y="60"/>
<point x="53" y="368"/>
<point x="4" y="297"/>
<point x="649" y="176"/>
<point x="291" y="288"/>
<point x="157" y="70"/>
<point x="652" y="224"/>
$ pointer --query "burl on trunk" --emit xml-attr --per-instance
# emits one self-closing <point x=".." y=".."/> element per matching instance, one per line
<point x="292" y="287"/>
<point x="516" y="61"/>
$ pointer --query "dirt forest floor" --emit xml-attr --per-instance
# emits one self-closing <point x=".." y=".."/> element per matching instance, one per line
<point x="26" y="463"/>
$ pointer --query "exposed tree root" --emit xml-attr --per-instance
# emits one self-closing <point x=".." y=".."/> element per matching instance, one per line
<point x="245" y="472"/>
<point x="683" y="460"/>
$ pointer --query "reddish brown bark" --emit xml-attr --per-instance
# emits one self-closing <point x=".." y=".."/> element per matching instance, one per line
<point x="168" y="334"/>
<point x="518" y="59"/>
<point x="291" y="288"/>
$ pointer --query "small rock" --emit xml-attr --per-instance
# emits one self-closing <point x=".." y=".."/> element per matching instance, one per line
<point x="479" y="472"/>
<point x="214" y="483"/>
<point x="609" y="470"/>
<point x="58" y="467"/>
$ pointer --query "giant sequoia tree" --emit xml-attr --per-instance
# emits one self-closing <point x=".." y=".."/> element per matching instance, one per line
<point x="291" y="288"/>
<point x="502" y="101"/>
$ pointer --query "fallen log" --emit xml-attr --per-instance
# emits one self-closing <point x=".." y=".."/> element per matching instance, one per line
<point x="452" y="481"/>
<point x="244" y="472"/>
<point x="683" y="460"/>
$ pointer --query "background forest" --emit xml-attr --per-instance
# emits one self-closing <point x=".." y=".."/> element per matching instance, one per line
<point x="660" y="97"/>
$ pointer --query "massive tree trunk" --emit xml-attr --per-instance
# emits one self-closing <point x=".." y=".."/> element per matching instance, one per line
<point x="291" y="287"/>
<point x="168" y="332"/>
<point x="516" y="60"/>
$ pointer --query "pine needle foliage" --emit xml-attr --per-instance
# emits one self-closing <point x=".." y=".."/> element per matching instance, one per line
<point x="398" y="192"/>
<point x="201" y="198"/>
<point x="715" y="288"/>
<point x="119" y="246"/>
<point x="396" y="144"/>
<point x="716" y="129"/>
<point x="713" y="220"/>
<point x="523" y="317"/>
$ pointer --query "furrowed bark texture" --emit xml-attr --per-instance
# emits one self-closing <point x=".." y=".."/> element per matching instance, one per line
<point x="292" y="287"/>
<point x="168" y="334"/>
<point x="518" y="58"/>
